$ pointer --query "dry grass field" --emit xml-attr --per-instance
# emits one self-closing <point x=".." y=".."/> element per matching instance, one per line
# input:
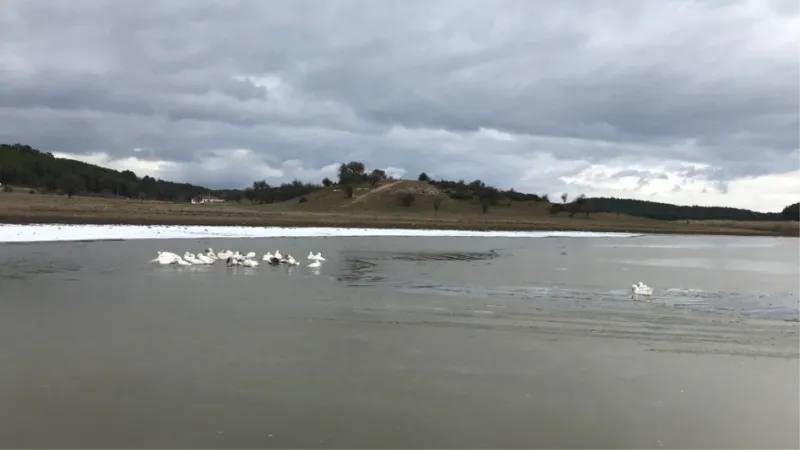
<point x="369" y="207"/>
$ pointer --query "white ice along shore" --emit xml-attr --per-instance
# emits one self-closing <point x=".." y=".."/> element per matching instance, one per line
<point x="56" y="232"/>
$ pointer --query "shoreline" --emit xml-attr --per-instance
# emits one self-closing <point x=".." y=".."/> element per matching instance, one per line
<point x="22" y="209"/>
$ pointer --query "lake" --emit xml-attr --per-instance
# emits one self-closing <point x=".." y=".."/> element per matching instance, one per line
<point x="403" y="342"/>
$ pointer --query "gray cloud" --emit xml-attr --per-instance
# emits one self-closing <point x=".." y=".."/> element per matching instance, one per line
<point x="410" y="84"/>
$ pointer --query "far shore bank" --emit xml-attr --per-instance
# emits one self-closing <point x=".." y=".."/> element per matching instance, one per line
<point x="22" y="208"/>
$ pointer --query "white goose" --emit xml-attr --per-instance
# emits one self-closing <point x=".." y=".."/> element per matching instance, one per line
<point x="165" y="258"/>
<point x="247" y="262"/>
<point x="182" y="262"/>
<point x="289" y="259"/>
<point x="205" y="259"/>
<point x="250" y="255"/>
<point x="319" y="257"/>
<point x="278" y="254"/>
<point x="267" y="256"/>
<point x="641" y="289"/>
<point x="209" y="253"/>
<point x="166" y="255"/>
<point x="315" y="264"/>
<point x="189" y="257"/>
<point x="225" y="254"/>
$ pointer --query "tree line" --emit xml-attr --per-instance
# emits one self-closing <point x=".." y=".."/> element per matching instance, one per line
<point x="666" y="211"/>
<point x="22" y="165"/>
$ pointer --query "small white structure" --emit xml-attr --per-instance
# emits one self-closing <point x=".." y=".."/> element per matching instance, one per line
<point x="200" y="199"/>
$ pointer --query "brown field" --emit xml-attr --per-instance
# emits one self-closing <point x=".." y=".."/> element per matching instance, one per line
<point x="370" y="207"/>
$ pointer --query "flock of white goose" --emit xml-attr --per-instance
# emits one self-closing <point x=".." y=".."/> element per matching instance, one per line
<point x="234" y="259"/>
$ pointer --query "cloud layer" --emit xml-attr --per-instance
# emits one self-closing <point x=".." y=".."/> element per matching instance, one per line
<point x="680" y="101"/>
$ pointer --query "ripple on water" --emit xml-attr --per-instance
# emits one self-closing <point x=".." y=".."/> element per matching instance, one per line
<point x="24" y="266"/>
<point x="364" y="269"/>
<point x="780" y="304"/>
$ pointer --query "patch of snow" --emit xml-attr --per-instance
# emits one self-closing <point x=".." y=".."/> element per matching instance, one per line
<point x="58" y="232"/>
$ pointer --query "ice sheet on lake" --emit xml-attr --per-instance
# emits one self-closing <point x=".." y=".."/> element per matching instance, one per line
<point x="56" y="232"/>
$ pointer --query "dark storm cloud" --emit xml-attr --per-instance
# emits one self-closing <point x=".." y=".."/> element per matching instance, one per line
<point x="320" y="82"/>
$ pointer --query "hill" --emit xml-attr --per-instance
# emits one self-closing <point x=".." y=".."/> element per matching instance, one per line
<point x="21" y="165"/>
<point x="666" y="211"/>
<point x="403" y="197"/>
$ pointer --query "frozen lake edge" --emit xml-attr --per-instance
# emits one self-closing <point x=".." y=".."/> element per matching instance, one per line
<point x="60" y="232"/>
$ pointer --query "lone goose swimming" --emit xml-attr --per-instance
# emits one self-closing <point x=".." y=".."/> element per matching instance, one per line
<point x="641" y="289"/>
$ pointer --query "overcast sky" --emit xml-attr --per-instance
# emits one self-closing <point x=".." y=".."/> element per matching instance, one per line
<point x="669" y="100"/>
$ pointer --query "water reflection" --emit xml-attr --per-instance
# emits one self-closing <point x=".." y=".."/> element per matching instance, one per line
<point x="715" y="264"/>
<point x="365" y="268"/>
<point x="22" y="266"/>
<point x="358" y="272"/>
<point x="431" y="256"/>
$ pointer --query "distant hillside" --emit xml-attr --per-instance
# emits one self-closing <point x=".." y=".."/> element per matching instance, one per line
<point x="21" y="165"/>
<point x="356" y="190"/>
<point x="666" y="211"/>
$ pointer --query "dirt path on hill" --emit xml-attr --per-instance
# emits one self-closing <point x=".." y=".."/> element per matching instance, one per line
<point x="378" y="189"/>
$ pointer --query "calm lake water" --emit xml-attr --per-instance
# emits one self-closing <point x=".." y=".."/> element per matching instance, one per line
<point x="403" y="342"/>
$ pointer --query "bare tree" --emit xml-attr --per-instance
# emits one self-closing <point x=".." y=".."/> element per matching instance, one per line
<point x="70" y="184"/>
<point x="579" y="204"/>
<point x="564" y="198"/>
<point x="407" y="199"/>
<point x="437" y="202"/>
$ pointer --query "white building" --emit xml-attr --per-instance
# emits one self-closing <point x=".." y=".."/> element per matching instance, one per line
<point x="206" y="199"/>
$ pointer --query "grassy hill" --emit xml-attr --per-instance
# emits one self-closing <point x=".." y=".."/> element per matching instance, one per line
<point x="402" y="197"/>
<point x="385" y="201"/>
